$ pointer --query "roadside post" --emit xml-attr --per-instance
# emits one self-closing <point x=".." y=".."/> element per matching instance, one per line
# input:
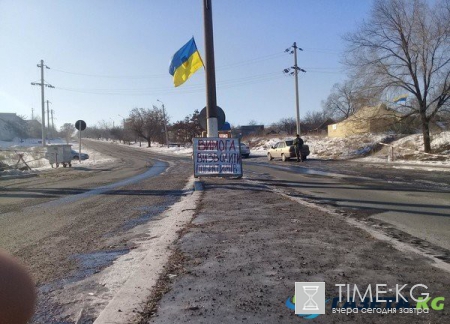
<point x="81" y="126"/>
<point x="214" y="155"/>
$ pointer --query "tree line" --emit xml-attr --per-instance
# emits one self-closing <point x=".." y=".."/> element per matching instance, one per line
<point x="147" y="125"/>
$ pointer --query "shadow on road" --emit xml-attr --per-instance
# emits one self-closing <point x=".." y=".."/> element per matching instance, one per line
<point x="60" y="192"/>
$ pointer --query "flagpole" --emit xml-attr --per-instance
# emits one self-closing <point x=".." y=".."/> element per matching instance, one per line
<point x="211" y="99"/>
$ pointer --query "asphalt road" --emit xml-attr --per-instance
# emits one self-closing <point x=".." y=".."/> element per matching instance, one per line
<point x="66" y="225"/>
<point x="411" y="204"/>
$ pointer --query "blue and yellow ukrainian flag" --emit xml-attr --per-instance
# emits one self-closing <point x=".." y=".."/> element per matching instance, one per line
<point x="185" y="62"/>
<point x="400" y="98"/>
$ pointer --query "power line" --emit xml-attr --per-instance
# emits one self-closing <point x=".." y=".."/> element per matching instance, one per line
<point x="114" y="76"/>
<point x="164" y="75"/>
<point x="193" y="87"/>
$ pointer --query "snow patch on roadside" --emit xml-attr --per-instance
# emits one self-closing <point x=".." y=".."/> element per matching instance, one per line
<point x="130" y="280"/>
<point x="34" y="155"/>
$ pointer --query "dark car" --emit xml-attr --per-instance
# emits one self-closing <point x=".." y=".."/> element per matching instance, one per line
<point x="285" y="150"/>
<point x="75" y="155"/>
<point x="245" y="151"/>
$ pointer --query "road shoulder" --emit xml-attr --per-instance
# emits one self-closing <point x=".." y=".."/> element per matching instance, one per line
<point x="154" y="254"/>
<point x="247" y="246"/>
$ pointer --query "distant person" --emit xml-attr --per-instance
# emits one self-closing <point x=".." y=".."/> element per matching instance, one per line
<point x="298" y="144"/>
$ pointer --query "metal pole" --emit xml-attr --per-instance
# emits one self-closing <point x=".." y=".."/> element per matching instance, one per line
<point x="297" y="104"/>
<point x="43" y="103"/>
<point x="79" y="150"/>
<point x="211" y="100"/>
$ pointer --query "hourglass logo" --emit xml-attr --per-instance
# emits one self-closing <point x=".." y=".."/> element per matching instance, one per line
<point x="310" y="298"/>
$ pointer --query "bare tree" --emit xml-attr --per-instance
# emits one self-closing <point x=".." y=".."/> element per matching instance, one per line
<point x="185" y="130"/>
<point x="348" y="97"/>
<point x="67" y="131"/>
<point x="405" y="47"/>
<point x="288" y="125"/>
<point x="147" y="124"/>
<point x="313" y="120"/>
<point x="93" y="132"/>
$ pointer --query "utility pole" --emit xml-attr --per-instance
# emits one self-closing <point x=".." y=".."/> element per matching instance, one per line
<point x="48" y="121"/>
<point x="211" y="99"/>
<point x="32" y="113"/>
<point x="42" y="84"/>
<point x="53" y="125"/>
<point x="165" y="122"/>
<point x="294" y="71"/>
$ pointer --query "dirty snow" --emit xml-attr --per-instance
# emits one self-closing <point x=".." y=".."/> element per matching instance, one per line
<point x="33" y="154"/>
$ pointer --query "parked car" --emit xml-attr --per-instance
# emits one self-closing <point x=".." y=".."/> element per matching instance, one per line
<point x="75" y="156"/>
<point x="285" y="150"/>
<point x="245" y="151"/>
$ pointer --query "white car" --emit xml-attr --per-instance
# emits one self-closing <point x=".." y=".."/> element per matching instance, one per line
<point x="285" y="150"/>
<point x="245" y="150"/>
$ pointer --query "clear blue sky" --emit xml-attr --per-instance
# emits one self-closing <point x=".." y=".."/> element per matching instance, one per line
<point x="107" y="57"/>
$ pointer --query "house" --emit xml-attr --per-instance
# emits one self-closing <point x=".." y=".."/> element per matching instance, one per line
<point x="376" y="119"/>
<point x="248" y="130"/>
<point x="321" y="129"/>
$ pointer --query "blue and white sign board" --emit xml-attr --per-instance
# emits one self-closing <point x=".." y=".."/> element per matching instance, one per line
<point x="217" y="157"/>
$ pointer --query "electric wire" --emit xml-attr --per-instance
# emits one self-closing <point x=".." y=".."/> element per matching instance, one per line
<point x="196" y="87"/>
<point x="151" y="76"/>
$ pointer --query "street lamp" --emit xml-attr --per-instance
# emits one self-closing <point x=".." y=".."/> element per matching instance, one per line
<point x="165" y="122"/>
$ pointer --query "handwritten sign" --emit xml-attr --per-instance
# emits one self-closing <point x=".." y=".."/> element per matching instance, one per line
<point x="215" y="156"/>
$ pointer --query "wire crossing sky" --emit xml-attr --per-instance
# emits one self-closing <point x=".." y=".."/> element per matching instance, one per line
<point x="107" y="57"/>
